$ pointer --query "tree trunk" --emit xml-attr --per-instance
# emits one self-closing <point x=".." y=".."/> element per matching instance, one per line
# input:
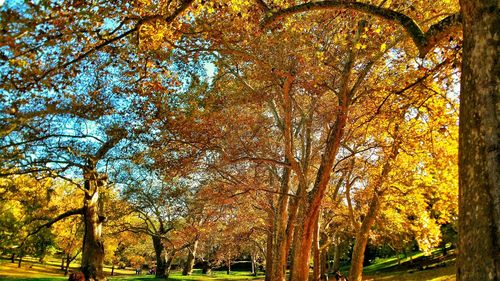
<point x="161" y="264"/>
<point x="93" y="246"/>
<point x="113" y="270"/>
<point x="358" y="254"/>
<point x="168" y="265"/>
<point x="13" y="258"/>
<point x="479" y="157"/>
<point x="206" y="268"/>
<point x="20" y="261"/>
<point x="62" y="263"/>
<point x="302" y="242"/>
<point x="254" y="264"/>
<point x="336" y="256"/>
<point x="269" y="256"/>
<point x="68" y="262"/>
<point x="316" y="253"/>
<point x="228" y="266"/>
<point x="324" y="262"/>
<point x="280" y="236"/>
<point x="188" y="267"/>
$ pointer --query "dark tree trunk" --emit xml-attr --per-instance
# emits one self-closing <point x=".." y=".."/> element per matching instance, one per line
<point x="206" y="268"/>
<point x="161" y="264"/>
<point x="323" y="257"/>
<point x="479" y="143"/>
<point x="113" y="270"/>
<point x="269" y="256"/>
<point x="188" y="267"/>
<point x="228" y="266"/>
<point x="336" y="256"/>
<point x="13" y="258"/>
<point x="20" y="261"/>
<point x="68" y="262"/>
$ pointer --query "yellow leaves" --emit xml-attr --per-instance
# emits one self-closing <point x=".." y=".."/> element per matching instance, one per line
<point x="360" y="46"/>
<point x="383" y="47"/>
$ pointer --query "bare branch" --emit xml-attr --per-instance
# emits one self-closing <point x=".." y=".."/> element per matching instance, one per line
<point x="56" y="219"/>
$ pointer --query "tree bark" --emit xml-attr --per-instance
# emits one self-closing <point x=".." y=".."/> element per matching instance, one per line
<point x="93" y="246"/>
<point x="324" y="262"/>
<point x="302" y="242"/>
<point x="188" y="267"/>
<point x="316" y="253"/>
<point x="479" y="157"/>
<point x="254" y="264"/>
<point x="358" y="254"/>
<point x="161" y="263"/>
<point x="20" y="261"/>
<point x="269" y="255"/>
<point x="168" y="265"/>
<point x="280" y="236"/>
<point x="206" y="268"/>
<point x="336" y="256"/>
<point x="68" y="262"/>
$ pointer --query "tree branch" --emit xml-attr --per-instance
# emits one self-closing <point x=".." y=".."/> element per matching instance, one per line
<point x="424" y="41"/>
<point x="56" y="219"/>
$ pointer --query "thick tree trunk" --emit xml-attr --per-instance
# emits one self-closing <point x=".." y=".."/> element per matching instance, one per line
<point x="280" y="236"/>
<point x="13" y="258"/>
<point x="269" y="256"/>
<point x="479" y="157"/>
<point x="316" y="253"/>
<point x="228" y="263"/>
<point x="188" y="267"/>
<point x="302" y="242"/>
<point x="161" y="263"/>
<point x="206" y="268"/>
<point x="93" y="246"/>
<point x="358" y="254"/>
<point x="20" y="261"/>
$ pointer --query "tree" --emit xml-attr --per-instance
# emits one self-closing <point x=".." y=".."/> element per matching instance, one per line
<point x="479" y="214"/>
<point x="40" y="55"/>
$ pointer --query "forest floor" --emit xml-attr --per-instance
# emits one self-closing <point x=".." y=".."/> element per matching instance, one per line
<point x="418" y="268"/>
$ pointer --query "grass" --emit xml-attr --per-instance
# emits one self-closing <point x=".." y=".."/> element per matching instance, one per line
<point x="419" y="267"/>
<point x="31" y="270"/>
<point x="435" y="268"/>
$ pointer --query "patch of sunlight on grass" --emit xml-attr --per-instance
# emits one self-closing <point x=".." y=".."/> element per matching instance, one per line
<point x="438" y="274"/>
<point x="28" y="269"/>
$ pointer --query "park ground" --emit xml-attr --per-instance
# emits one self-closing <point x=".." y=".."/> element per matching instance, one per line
<point x="418" y="268"/>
